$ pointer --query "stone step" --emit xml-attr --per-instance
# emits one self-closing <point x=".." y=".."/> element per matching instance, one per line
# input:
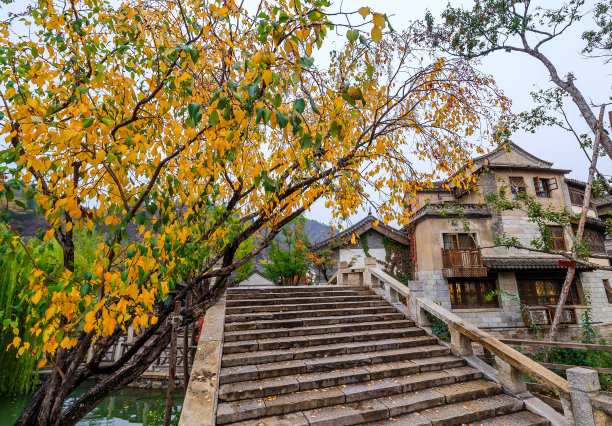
<point x="305" y="307"/>
<point x="357" y="383"/>
<point x="267" y="295"/>
<point x="522" y="418"/>
<point x="289" y="289"/>
<point x="234" y="336"/>
<point x="376" y="370"/>
<point x="324" y="345"/>
<point x="340" y="312"/>
<point x="311" y="322"/>
<point x="500" y="408"/>
<point x="312" y="402"/>
<point x="291" y="300"/>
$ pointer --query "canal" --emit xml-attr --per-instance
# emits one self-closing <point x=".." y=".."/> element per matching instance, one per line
<point x="126" y="407"/>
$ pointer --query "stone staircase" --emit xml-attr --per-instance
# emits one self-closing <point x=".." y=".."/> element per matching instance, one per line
<point x="344" y="356"/>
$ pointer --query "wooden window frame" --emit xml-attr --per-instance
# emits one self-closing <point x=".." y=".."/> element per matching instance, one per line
<point x="608" y="288"/>
<point x="486" y="286"/>
<point x="517" y="185"/>
<point x="527" y="290"/>
<point x="558" y="242"/>
<point x="542" y="193"/>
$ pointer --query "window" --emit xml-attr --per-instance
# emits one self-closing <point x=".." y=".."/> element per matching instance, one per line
<point x="544" y="289"/>
<point x="541" y="187"/>
<point x="517" y="185"/>
<point x="577" y="197"/>
<point x="556" y="235"/>
<point x="595" y="237"/>
<point x="461" y="241"/>
<point x="608" y="288"/>
<point x="471" y="293"/>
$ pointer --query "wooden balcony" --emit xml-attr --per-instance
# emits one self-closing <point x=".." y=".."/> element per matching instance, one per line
<point x="463" y="263"/>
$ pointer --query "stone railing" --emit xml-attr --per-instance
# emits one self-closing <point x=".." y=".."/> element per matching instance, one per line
<point x="580" y="395"/>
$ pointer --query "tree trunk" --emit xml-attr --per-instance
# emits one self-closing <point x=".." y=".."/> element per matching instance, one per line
<point x="171" y="374"/>
<point x="579" y="233"/>
<point x="582" y="104"/>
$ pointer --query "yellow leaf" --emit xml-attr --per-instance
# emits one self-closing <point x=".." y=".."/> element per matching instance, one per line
<point x="49" y="234"/>
<point x="376" y="223"/>
<point x="353" y="240"/>
<point x="68" y="227"/>
<point x="42" y="363"/>
<point x="65" y="342"/>
<point x="379" y="20"/>
<point x="376" y="34"/>
<point x="364" y="11"/>
<point x="37" y="297"/>
<point x="16" y="341"/>
<point x="267" y="77"/>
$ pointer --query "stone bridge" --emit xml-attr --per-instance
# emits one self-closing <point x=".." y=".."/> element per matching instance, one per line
<point x="364" y="354"/>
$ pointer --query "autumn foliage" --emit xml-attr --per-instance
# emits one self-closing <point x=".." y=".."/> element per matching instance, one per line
<point x="198" y="124"/>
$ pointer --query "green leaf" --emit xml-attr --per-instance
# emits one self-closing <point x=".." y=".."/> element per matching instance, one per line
<point x="277" y="100"/>
<point x="213" y="118"/>
<point x="141" y="217"/>
<point x="193" y="109"/>
<point x="281" y="120"/>
<point x="306" y="61"/>
<point x="314" y="106"/>
<point x="299" y="105"/>
<point x="85" y="288"/>
<point x="306" y="141"/>
<point x="347" y="98"/>
<point x="195" y="55"/>
<point x="363" y="41"/>
<point x="87" y="122"/>
<point x="352" y="35"/>
<point x="266" y="116"/>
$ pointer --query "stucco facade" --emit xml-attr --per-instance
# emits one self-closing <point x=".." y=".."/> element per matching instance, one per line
<point x="446" y="218"/>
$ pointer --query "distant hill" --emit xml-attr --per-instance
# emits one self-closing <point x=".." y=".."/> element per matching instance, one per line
<point x="316" y="231"/>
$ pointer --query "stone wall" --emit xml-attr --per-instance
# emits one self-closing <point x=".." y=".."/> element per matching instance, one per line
<point x="592" y="285"/>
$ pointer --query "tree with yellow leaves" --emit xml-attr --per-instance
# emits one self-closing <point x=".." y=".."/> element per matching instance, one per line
<point x="199" y="124"/>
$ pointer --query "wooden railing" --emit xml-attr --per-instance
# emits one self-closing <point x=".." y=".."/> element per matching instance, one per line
<point x="578" y="395"/>
<point x="461" y="258"/>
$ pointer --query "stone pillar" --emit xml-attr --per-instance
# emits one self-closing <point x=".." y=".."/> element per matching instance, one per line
<point x="460" y="343"/>
<point x="368" y="262"/>
<point x="510" y="378"/>
<point x="416" y="291"/>
<point x="391" y="295"/>
<point x="584" y="384"/>
<point x="340" y="278"/>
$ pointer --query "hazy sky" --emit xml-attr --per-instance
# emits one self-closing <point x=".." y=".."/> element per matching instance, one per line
<point x="517" y="74"/>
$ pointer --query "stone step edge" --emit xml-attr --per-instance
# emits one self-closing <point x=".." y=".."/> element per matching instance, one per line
<point x="309" y="314"/>
<point x="441" y="377"/>
<point x="259" y="406"/>
<point x="295" y="344"/>
<point x="278" y="300"/>
<point x="372" y="338"/>
<point x="238" y="373"/>
<point x="407" y="323"/>
<point x="294" y="307"/>
<point x="336" y="321"/>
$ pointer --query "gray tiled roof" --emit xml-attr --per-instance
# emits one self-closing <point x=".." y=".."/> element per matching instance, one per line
<point x="525" y="262"/>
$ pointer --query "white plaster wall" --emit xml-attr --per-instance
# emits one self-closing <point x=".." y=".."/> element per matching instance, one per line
<point x="358" y="256"/>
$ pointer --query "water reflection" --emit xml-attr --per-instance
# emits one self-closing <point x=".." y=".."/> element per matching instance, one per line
<point x="126" y="407"/>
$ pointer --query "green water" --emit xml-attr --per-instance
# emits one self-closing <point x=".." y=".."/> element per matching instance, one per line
<point x="126" y="407"/>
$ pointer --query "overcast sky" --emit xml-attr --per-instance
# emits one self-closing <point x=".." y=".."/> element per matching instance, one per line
<point x="517" y="74"/>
